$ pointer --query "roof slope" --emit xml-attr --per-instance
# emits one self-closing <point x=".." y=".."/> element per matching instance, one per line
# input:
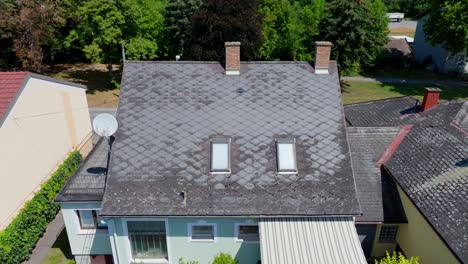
<point x="10" y="83"/>
<point x="168" y="111"/>
<point x="377" y="194"/>
<point x="88" y="182"/>
<point x="430" y="164"/>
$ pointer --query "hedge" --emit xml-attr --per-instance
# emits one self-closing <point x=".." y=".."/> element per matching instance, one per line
<point x="19" y="238"/>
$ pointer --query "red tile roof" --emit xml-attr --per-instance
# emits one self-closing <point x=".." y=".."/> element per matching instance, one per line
<point x="10" y="84"/>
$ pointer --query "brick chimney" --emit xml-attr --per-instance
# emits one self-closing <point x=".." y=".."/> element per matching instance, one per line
<point x="322" y="56"/>
<point x="232" y="58"/>
<point x="431" y="98"/>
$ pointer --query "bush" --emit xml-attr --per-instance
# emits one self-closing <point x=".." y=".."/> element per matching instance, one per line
<point x="394" y="259"/>
<point x="224" y="258"/>
<point x="21" y="235"/>
<point x="181" y="261"/>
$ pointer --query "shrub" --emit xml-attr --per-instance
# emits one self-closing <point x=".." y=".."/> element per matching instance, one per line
<point x="181" y="261"/>
<point x="19" y="238"/>
<point x="397" y="259"/>
<point x="224" y="258"/>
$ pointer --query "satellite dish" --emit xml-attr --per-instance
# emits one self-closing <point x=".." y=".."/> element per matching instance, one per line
<point x="105" y="125"/>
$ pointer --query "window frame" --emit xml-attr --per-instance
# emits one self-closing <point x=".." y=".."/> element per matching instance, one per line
<point x="202" y="223"/>
<point x="220" y="140"/>
<point x="95" y="214"/>
<point x="237" y="232"/>
<point x="291" y="141"/>
<point x="387" y="232"/>
<point x="128" y="243"/>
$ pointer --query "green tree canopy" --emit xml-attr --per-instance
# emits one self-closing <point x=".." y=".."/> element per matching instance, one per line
<point x="218" y="21"/>
<point x="358" y="31"/>
<point x="177" y="19"/>
<point x="448" y="24"/>
<point x="409" y="7"/>
<point x="289" y="28"/>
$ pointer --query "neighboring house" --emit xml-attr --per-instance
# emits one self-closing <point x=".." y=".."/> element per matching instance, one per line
<point x="444" y="60"/>
<point x="428" y="161"/>
<point x="398" y="48"/>
<point x="249" y="159"/>
<point x="41" y="121"/>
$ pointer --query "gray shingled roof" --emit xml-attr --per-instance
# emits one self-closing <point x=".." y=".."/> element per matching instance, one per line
<point x="168" y="112"/>
<point x="88" y="182"/>
<point x="430" y="164"/>
<point x="377" y="193"/>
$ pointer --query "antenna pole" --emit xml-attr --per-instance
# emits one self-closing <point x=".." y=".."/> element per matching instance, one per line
<point x="123" y="51"/>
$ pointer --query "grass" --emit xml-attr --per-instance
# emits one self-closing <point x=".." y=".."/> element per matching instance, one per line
<point x="404" y="31"/>
<point x="355" y="92"/>
<point x="95" y="77"/>
<point x="60" y="251"/>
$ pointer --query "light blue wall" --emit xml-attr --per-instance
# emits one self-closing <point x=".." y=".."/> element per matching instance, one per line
<point x="84" y="242"/>
<point x="422" y="49"/>
<point x="180" y="247"/>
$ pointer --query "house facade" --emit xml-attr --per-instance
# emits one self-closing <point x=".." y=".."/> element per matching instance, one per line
<point x="246" y="158"/>
<point x="41" y="121"/>
<point x="444" y="60"/>
<point x="425" y="162"/>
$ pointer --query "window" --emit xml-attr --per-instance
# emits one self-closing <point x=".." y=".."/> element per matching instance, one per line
<point x="286" y="155"/>
<point x="147" y="240"/>
<point x="247" y="232"/>
<point x="221" y="155"/>
<point x="202" y="232"/>
<point x="89" y="219"/>
<point x="388" y="233"/>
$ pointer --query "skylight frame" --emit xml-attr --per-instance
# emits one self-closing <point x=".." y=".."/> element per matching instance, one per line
<point x="292" y="142"/>
<point x="220" y="140"/>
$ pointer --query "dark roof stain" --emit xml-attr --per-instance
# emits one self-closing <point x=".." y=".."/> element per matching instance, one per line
<point x="168" y="112"/>
<point x="431" y="163"/>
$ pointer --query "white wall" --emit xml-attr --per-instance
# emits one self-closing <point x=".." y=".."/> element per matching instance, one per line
<point x="47" y="122"/>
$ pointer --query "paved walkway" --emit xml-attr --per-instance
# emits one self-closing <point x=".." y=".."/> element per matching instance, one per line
<point x="406" y="81"/>
<point x="44" y="244"/>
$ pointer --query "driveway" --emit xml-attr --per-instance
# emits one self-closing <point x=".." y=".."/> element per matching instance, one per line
<point x="404" y="23"/>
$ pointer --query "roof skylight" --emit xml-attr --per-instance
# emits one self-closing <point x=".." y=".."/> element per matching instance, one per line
<point x="286" y="155"/>
<point x="221" y="155"/>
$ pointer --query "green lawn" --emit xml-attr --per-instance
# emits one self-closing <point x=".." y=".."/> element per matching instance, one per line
<point x="355" y="92"/>
<point x="60" y="252"/>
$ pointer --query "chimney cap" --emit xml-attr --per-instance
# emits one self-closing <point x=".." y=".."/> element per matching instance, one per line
<point x="232" y="44"/>
<point x="433" y="90"/>
<point x="323" y="43"/>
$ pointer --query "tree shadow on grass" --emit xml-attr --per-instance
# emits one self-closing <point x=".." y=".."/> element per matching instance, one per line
<point x="94" y="76"/>
<point x="63" y="244"/>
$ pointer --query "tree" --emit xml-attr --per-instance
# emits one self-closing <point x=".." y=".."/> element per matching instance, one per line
<point x="447" y="24"/>
<point x="289" y="28"/>
<point x="105" y="24"/>
<point x="358" y="31"/>
<point x="397" y="259"/>
<point x="98" y="32"/>
<point x="31" y="25"/>
<point x="143" y="28"/>
<point x="218" y="21"/>
<point x="178" y="17"/>
<point x="409" y="7"/>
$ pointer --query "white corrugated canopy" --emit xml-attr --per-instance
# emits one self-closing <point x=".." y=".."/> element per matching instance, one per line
<point x="308" y="240"/>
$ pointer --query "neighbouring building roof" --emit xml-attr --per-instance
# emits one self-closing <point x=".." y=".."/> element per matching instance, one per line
<point x="431" y="162"/>
<point x="88" y="182"/>
<point x="12" y="84"/>
<point x="377" y="193"/>
<point x="302" y="240"/>
<point x="168" y="112"/>
<point x="398" y="47"/>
